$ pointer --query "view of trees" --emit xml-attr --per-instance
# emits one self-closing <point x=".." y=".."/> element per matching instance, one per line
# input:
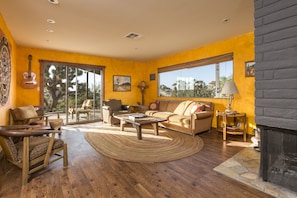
<point x="202" y="81"/>
<point x="199" y="89"/>
<point x="55" y="86"/>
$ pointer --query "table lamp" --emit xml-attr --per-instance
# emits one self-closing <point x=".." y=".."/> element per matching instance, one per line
<point x="229" y="89"/>
<point x="142" y="86"/>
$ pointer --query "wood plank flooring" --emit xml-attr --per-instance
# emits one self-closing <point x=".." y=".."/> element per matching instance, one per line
<point x="91" y="174"/>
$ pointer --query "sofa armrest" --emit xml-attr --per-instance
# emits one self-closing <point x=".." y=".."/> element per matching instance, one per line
<point x="202" y="115"/>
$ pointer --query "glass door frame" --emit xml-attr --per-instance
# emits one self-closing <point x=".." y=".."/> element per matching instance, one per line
<point x="43" y="63"/>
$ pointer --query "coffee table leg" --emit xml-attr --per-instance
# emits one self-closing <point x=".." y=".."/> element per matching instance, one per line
<point x="156" y="128"/>
<point x="122" y="125"/>
<point x="138" y="130"/>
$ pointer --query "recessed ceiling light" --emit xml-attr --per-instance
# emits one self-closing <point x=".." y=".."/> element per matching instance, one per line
<point x="133" y="35"/>
<point x="50" y="30"/>
<point x="226" y="20"/>
<point x="51" y="21"/>
<point x="54" y="1"/>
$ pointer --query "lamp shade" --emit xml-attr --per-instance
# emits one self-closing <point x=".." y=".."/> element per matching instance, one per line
<point x="142" y="85"/>
<point x="229" y="88"/>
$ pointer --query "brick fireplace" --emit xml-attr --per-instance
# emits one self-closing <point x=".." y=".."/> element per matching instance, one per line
<point x="276" y="89"/>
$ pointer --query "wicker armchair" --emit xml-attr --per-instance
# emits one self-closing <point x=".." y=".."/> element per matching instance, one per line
<point x="34" y="151"/>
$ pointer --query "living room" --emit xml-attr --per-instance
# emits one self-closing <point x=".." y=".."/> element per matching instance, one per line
<point x="243" y="48"/>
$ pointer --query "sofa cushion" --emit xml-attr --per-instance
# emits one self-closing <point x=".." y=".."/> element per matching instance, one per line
<point x="180" y="120"/>
<point x="150" y="112"/>
<point x="164" y="115"/>
<point x="163" y="104"/>
<point x="181" y="108"/>
<point x="188" y="111"/>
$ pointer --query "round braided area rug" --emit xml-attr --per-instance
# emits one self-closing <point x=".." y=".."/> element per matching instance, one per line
<point x="124" y="145"/>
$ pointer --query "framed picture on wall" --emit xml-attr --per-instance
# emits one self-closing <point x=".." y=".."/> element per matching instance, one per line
<point x="152" y="76"/>
<point x="250" y="69"/>
<point x="121" y="83"/>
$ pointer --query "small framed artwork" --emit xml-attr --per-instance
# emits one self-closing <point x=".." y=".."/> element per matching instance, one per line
<point x="121" y="83"/>
<point x="250" y="69"/>
<point x="152" y="76"/>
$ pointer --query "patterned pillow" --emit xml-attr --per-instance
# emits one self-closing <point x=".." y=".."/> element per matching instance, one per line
<point x="154" y="106"/>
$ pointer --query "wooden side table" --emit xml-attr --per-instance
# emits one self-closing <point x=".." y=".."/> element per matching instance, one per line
<point x="234" y="124"/>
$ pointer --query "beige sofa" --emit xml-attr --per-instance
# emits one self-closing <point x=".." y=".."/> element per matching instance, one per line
<point x="190" y="117"/>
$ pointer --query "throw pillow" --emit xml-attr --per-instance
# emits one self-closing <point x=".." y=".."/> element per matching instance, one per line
<point x="154" y="106"/>
<point x="197" y="108"/>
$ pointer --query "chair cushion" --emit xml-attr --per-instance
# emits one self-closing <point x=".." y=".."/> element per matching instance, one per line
<point x="8" y="145"/>
<point x="87" y="104"/>
<point x="25" y="112"/>
<point x="38" y="147"/>
<point x="115" y="105"/>
<point x="55" y="123"/>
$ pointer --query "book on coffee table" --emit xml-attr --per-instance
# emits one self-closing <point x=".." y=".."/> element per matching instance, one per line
<point x="137" y="116"/>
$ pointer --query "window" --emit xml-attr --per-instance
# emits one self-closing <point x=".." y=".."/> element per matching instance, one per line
<point x="198" y="79"/>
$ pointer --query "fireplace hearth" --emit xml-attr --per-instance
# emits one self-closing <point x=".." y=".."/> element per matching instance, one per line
<point x="279" y="156"/>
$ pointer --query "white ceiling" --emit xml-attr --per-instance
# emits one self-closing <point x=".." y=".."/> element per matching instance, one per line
<point x="98" y="27"/>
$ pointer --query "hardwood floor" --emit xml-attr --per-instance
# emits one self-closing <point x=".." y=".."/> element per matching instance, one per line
<point x="91" y="174"/>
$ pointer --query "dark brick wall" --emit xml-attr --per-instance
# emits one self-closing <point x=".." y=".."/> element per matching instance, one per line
<point x="276" y="63"/>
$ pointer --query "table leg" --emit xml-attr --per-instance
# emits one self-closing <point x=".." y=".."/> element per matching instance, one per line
<point x="77" y="116"/>
<point x="26" y="165"/>
<point x="156" y="128"/>
<point x="122" y="125"/>
<point x="138" y="130"/>
<point x="224" y="133"/>
<point x="244" y="136"/>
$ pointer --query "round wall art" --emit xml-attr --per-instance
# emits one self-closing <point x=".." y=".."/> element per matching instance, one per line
<point x="5" y="69"/>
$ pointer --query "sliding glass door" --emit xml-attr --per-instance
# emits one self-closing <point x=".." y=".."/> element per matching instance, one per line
<point x="73" y="90"/>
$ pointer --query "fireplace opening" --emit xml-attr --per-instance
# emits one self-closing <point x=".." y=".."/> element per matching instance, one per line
<point x="279" y="156"/>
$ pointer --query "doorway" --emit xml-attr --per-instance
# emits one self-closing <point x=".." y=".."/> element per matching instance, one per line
<point x="73" y="90"/>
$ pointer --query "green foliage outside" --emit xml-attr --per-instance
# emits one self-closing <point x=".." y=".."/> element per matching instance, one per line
<point x="201" y="89"/>
<point x="55" y="87"/>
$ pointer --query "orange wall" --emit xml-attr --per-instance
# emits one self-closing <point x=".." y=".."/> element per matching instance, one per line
<point x="243" y="50"/>
<point x="112" y="67"/>
<point x="4" y="110"/>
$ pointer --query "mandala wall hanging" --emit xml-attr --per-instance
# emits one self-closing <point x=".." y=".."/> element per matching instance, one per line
<point x="5" y="69"/>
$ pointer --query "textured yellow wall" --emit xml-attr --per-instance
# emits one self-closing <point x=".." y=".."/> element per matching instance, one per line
<point x="112" y="67"/>
<point x="4" y="110"/>
<point x="243" y="49"/>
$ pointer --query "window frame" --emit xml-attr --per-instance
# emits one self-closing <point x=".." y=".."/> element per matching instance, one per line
<point x="215" y="60"/>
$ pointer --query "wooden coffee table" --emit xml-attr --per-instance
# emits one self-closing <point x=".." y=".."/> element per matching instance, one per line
<point x="139" y="122"/>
